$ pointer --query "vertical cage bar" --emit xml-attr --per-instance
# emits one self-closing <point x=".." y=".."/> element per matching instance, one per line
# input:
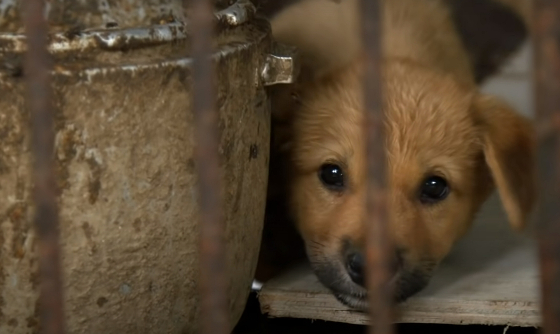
<point x="213" y="278"/>
<point x="378" y="246"/>
<point x="546" y="24"/>
<point x="40" y="106"/>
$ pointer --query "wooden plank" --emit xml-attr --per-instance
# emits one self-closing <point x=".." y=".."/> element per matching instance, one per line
<point x="491" y="278"/>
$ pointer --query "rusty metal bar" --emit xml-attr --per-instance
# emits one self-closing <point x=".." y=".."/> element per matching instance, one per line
<point x="40" y="105"/>
<point x="546" y="24"/>
<point x="213" y="278"/>
<point x="379" y="247"/>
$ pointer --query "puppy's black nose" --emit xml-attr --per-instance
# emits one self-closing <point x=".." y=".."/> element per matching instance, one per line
<point x="355" y="263"/>
<point x="355" y="267"/>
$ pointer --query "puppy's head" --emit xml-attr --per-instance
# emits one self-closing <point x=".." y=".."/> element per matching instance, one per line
<point x="447" y="148"/>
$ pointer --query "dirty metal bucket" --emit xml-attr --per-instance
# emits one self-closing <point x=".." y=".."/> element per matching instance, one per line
<point x="125" y="168"/>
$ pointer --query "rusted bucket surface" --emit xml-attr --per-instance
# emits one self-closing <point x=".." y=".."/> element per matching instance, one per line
<point x="124" y="156"/>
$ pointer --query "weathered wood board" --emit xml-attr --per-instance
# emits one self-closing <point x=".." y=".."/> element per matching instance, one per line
<point x="491" y="278"/>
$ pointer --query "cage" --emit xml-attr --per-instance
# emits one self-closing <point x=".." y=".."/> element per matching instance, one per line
<point x="91" y="89"/>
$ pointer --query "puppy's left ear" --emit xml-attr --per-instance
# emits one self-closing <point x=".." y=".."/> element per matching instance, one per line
<point x="509" y="145"/>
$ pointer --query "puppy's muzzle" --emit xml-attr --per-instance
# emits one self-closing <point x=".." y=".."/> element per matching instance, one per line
<point x="355" y="265"/>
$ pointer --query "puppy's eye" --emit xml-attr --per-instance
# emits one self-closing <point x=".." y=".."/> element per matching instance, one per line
<point x="332" y="177"/>
<point x="433" y="189"/>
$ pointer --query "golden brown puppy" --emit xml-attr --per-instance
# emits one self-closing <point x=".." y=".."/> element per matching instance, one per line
<point x="448" y="145"/>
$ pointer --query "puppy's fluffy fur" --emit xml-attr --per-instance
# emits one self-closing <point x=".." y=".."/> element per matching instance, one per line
<point x="437" y="125"/>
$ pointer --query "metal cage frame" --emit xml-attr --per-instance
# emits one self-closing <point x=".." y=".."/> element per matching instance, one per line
<point x="546" y="42"/>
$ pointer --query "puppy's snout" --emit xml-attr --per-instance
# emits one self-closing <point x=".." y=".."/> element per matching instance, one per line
<point x="355" y="266"/>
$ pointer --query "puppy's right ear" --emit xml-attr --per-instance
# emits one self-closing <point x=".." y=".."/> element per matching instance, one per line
<point x="327" y="36"/>
<point x="284" y="101"/>
<point x="326" y="33"/>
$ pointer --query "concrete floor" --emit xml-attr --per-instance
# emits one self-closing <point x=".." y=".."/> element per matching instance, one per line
<point x="515" y="82"/>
